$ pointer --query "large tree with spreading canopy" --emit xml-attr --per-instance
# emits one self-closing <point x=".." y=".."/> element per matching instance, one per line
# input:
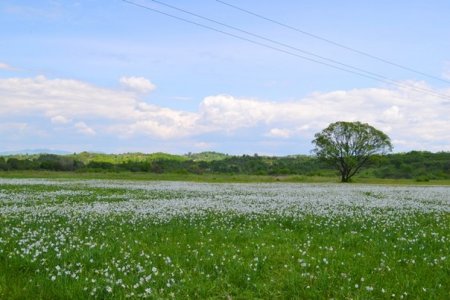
<point x="349" y="145"/>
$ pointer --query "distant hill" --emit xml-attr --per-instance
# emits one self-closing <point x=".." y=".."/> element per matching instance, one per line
<point x="207" y="156"/>
<point x="87" y="157"/>
<point x="34" y="151"/>
<point x="418" y="165"/>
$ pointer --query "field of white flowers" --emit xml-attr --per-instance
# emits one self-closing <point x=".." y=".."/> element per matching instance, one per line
<point x="122" y="239"/>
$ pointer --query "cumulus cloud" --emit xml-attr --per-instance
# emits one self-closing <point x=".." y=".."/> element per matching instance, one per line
<point x="59" y="120"/>
<point x="84" y="129"/>
<point x="279" y="133"/>
<point x="6" y="67"/>
<point x="413" y="120"/>
<point x="16" y="131"/>
<point x="420" y="121"/>
<point x="64" y="100"/>
<point x="138" y="84"/>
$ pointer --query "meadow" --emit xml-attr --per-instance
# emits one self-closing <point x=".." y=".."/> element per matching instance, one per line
<point x="118" y="239"/>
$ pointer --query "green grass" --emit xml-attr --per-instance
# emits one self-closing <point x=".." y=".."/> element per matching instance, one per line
<point x="239" y="258"/>
<point x="78" y="255"/>
<point x="165" y="176"/>
<point x="220" y="178"/>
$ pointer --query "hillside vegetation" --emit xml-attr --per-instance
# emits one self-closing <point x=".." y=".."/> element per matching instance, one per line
<point x="422" y="166"/>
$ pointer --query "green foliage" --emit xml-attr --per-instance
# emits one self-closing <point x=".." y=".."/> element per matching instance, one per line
<point x="413" y="165"/>
<point x="3" y="164"/>
<point x="349" y="145"/>
<point x="206" y="156"/>
<point x="87" y="157"/>
<point x="58" y="162"/>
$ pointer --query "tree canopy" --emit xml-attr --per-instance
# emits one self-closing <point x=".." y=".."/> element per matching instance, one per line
<point x="349" y="145"/>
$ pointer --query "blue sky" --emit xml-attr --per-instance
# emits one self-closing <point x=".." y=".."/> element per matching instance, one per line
<point x="109" y="76"/>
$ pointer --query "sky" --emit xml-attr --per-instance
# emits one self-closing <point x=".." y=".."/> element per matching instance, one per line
<point x="109" y="76"/>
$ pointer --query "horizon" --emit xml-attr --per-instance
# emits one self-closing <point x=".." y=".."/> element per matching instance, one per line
<point x="114" y="78"/>
<point x="32" y="152"/>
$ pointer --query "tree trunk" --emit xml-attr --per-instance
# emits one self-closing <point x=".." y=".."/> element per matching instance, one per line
<point x="345" y="175"/>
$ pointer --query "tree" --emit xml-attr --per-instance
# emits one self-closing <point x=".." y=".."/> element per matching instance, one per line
<point x="349" y="145"/>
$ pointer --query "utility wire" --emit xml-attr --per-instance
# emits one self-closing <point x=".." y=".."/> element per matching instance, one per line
<point x="244" y="39"/>
<point x="426" y="91"/>
<point x="272" y="41"/>
<point x="386" y="79"/>
<point x="333" y="42"/>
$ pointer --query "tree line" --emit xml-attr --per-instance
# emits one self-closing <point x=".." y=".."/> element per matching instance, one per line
<point x="412" y="165"/>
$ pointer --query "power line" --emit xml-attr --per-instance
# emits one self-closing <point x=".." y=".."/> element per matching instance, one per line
<point x="244" y="39"/>
<point x="273" y="41"/>
<point x="334" y="43"/>
<point x="384" y="78"/>
<point x="389" y="81"/>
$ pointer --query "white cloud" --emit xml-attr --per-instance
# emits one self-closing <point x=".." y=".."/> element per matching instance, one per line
<point x="392" y="114"/>
<point x="59" y="120"/>
<point x="17" y="130"/>
<point x="138" y="84"/>
<point x="279" y="133"/>
<point x="230" y="113"/>
<point x="63" y="100"/>
<point x="84" y="129"/>
<point x="6" y="67"/>
<point x="418" y="121"/>
<point x="421" y="120"/>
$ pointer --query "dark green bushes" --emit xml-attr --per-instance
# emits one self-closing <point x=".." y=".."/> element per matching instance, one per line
<point x="421" y="166"/>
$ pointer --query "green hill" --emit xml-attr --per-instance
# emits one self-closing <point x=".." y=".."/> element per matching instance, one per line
<point x="418" y="165"/>
<point x="206" y="156"/>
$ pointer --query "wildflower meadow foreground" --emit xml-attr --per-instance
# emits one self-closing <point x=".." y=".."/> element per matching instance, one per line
<point x="99" y="239"/>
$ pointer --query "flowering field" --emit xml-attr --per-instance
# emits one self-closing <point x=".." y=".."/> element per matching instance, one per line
<point x="122" y="239"/>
